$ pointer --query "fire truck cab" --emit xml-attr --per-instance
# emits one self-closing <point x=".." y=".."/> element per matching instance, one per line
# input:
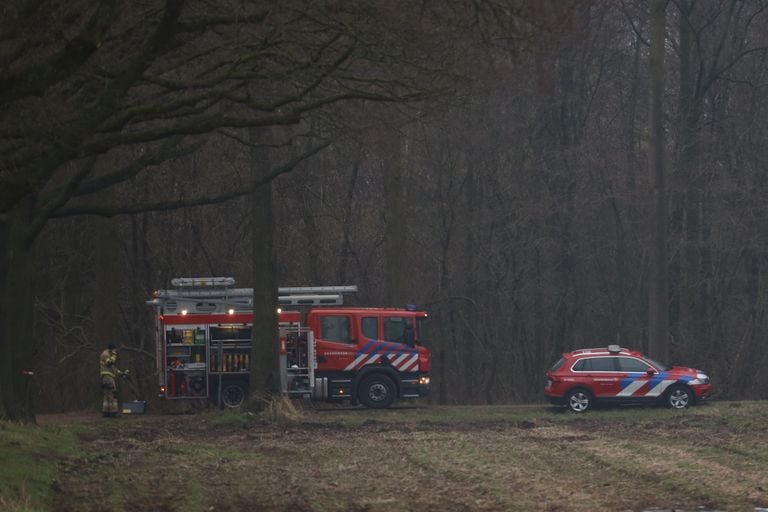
<point x="328" y="352"/>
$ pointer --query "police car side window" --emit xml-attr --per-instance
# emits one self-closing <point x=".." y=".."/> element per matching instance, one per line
<point x="630" y="364"/>
<point x="604" y="364"/>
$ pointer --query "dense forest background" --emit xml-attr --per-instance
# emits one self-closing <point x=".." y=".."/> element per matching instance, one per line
<point x="495" y="173"/>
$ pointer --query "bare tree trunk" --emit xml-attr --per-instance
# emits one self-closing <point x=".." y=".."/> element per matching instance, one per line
<point x="691" y="224"/>
<point x="76" y="378"/>
<point x="444" y="330"/>
<point x="138" y="283"/>
<point x="658" y="321"/>
<point x="265" y="378"/>
<point x="630" y="222"/>
<point x="108" y="325"/>
<point x="110" y="269"/>
<point x="395" y="161"/>
<point x="16" y="305"/>
<point x="7" y="384"/>
<point x="347" y="248"/>
<point x="312" y="233"/>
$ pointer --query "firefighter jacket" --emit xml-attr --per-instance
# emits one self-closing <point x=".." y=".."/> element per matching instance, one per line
<point x="108" y="362"/>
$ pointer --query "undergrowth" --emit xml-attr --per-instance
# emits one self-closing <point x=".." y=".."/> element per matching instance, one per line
<point x="30" y="455"/>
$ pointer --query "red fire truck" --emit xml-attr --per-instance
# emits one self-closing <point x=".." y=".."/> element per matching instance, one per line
<point x="327" y="351"/>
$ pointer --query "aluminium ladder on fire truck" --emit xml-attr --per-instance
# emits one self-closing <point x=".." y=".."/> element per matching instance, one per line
<point x="194" y="295"/>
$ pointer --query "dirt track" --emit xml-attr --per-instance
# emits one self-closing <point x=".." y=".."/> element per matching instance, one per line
<point x="78" y="418"/>
<point x="487" y="459"/>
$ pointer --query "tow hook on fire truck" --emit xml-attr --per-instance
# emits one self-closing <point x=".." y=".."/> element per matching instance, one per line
<point x="327" y="351"/>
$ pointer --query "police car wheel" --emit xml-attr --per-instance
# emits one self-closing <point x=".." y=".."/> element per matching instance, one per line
<point x="679" y="397"/>
<point x="578" y="400"/>
<point x="376" y="392"/>
<point x="233" y="395"/>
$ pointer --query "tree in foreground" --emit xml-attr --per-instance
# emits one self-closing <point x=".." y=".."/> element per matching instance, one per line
<point x="95" y="94"/>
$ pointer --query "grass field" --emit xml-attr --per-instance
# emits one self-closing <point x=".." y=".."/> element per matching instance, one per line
<point x="518" y="458"/>
<point x="29" y="459"/>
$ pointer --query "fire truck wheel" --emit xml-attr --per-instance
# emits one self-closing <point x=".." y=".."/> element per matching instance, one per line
<point x="377" y="391"/>
<point x="233" y="395"/>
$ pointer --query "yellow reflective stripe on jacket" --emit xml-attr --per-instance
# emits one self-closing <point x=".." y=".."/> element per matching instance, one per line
<point x="107" y="363"/>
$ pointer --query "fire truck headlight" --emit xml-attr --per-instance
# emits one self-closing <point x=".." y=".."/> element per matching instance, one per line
<point x="184" y="311"/>
<point x="424" y="381"/>
<point x="231" y="311"/>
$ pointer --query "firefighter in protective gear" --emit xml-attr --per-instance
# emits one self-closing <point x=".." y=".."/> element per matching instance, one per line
<point x="109" y="372"/>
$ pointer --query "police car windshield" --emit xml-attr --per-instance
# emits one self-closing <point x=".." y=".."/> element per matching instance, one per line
<point x="659" y="366"/>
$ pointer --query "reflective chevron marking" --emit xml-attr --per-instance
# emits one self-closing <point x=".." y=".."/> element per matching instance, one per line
<point x="414" y="360"/>
<point x="633" y="386"/>
<point x="659" y="388"/>
<point x="402" y="357"/>
<point x="640" y="385"/>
